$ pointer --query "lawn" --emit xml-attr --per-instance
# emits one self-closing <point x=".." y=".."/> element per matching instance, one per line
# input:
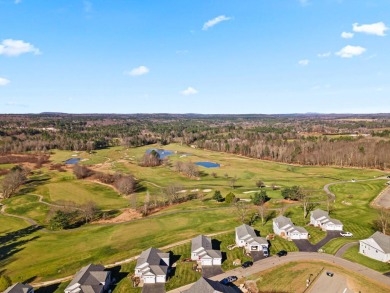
<point x="294" y="277"/>
<point x="353" y="254"/>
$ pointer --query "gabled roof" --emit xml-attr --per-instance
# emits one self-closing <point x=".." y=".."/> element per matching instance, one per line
<point x="201" y="241"/>
<point x="323" y="217"/>
<point x="204" y="285"/>
<point x="19" y="288"/>
<point x="152" y="256"/>
<point x="382" y="240"/>
<point x="245" y="230"/>
<point x="300" y="229"/>
<point x="282" y="222"/>
<point x="90" y="278"/>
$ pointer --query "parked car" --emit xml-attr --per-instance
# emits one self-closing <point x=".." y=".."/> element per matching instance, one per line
<point x="346" y="234"/>
<point x="330" y="274"/>
<point x="388" y="176"/>
<point x="282" y="253"/>
<point x="353" y="180"/>
<point x="265" y="252"/>
<point x="247" y="264"/>
<point x="228" y="280"/>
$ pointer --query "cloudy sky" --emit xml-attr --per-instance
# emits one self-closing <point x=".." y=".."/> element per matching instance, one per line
<point x="195" y="56"/>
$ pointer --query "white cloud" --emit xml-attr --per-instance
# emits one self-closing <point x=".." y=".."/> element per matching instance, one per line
<point x="346" y="35"/>
<point x="189" y="91"/>
<point x="141" y="70"/>
<point x="304" y="2"/>
<point x="350" y="51"/>
<point x="324" y="55"/>
<point x="4" y="81"/>
<point x="303" y="62"/>
<point x="215" y="21"/>
<point x="11" y="47"/>
<point x="17" y="1"/>
<point x="378" y="28"/>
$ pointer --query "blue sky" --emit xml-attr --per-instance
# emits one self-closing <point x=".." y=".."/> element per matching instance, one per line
<point x="194" y="56"/>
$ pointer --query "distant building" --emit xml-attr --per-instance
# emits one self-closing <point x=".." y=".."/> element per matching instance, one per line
<point x="152" y="266"/>
<point x="202" y="251"/>
<point x="19" y="288"/>
<point x="320" y="218"/>
<point x="246" y="237"/>
<point x="376" y="247"/>
<point x="90" y="279"/>
<point x="283" y="227"/>
<point x="204" y="285"/>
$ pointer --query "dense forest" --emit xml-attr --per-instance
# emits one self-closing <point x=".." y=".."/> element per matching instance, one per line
<point x="309" y="139"/>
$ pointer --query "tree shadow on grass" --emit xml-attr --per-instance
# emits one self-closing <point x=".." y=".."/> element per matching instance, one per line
<point x="12" y="243"/>
<point x="173" y="258"/>
<point x="117" y="276"/>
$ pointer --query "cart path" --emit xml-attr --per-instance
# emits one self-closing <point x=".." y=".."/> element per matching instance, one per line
<point x="345" y="247"/>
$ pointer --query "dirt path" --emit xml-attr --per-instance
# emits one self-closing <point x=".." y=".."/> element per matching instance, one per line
<point x="383" y="199"/>
<point x="275" y="261"/>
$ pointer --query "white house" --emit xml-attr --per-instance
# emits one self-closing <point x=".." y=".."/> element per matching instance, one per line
<point x="202" y="251"/>
<point x="152" y="266"/>
<point x="320" y="218"/>
<point x="283" y="227"/>
<point x="246" y="237"/>
<point x="90" y="279"/>
<point x="376" y="247"/>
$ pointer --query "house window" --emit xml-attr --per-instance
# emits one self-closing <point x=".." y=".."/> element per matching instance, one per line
<point x="376" y="251"/>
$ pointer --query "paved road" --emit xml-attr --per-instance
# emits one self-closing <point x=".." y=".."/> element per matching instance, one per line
<point x="305" y="245"/>
<point x="383" y="199"/>
<point x="326" y="284"/>
<point x="298" y="256"/>
<point x="344" y="248"/>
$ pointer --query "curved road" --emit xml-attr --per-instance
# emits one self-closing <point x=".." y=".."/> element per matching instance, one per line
<point x="298" y="256"/>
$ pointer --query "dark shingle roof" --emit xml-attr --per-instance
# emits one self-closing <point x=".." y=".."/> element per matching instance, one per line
<point x="201" y="241"/>
<point x="19" y="288"/>
<point x="90" y="278"/>
<point x="204" y="285"/>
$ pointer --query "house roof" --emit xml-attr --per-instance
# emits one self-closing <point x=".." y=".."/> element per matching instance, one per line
<point x="300" y="229"/>
<point x="19" y="288"/>
<point x="201" y="241"/>
<point x="152" y="256"/>
<point x="245" y="230"/>
<point x="318" y="213"/>
<point x="208" y="286"/>
<point x="382" y="240"/>
<point x="90" y="278"/>
<point x="283" y="221"/>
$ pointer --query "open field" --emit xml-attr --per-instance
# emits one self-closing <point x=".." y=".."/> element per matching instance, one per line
<point x="62" y="253"/>
<point x="294" y="277"/>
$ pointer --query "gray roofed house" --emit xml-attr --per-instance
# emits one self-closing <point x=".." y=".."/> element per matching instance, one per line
<point x="246" y="237"/>
<point x="204" y="285"/>
<point x="285" y="228"/>
<point x="202" y="251"/>
<point x="152" y="266"/>
<point x="320" y="218"/>
<point x="90" y="279"/>
<point x="19" y="288"/>
<point x="376" y="247"/>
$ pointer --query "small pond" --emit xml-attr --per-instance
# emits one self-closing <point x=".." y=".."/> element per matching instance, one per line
<point x="161" y="152"/>
<point x="208" y="164"/>
<point x="72" y="161"/>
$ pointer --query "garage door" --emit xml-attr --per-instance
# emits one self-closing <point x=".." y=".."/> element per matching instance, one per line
<point x="217" y="261"/>
<point x="294" y="236"/>
<point x="149" y="279"/>
<point x="161" y="279"/>
<point x="207" y="262"/>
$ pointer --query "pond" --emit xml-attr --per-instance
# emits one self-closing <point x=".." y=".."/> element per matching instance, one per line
<point x="72" y="161"/>
<point x="208" y="164"/>
<point x="161" y="152"/>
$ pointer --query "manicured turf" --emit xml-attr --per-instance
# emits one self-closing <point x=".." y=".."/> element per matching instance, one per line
<point x="292" y="277"/>
<point x="353" y="254"/>
<point x="10" y="224"/>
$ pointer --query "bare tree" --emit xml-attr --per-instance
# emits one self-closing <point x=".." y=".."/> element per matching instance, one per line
<point x="233" y="181"/>
<point x="81" y="171"/>
<point x="146" y="203"/>
<point x="172" y="192"/>
<point x="178" y="166"/>
<point x="89" y="210"/>
<point x="125" y="184"/>
<point x="12" y="181"/>
<point x="384" y="219"/>
<point x="263" y="212"/>
<point x="242" y="210"/>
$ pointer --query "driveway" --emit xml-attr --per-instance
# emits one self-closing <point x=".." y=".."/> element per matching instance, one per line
<point x="211" y="271"/>
<point x="257" y="255"/>
<point x="305" y="245"/>
<point x="153" y="288"/>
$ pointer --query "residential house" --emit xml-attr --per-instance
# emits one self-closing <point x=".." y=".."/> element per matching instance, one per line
<point x="202" y="251"/>
<point x="285" y="228"/>
<point x="320" y="218"/>
<point x="90" y="279"/>
<point x="152" y="266"/>
<point x="246" y="237"/>
<point x="208" y="286"/>
<point x="19" y="288"/>
<point x="376" y="247"/>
